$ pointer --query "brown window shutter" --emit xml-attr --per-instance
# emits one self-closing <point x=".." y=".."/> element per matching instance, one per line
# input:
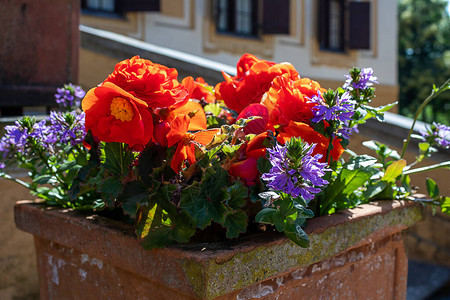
<point x="323" y="27"/>
<point x="275" y="17"/>
<point x="137" y="5"/>
<point x="359" y="25"/>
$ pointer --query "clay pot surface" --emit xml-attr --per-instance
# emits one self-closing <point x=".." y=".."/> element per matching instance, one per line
<point x="354" y="254"/>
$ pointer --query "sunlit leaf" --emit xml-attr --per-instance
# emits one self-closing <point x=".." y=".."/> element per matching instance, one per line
<point x="394" y="170"/>
<point x="432" y="188"/>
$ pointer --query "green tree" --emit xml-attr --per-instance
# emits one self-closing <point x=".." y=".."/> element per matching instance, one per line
<point x="424" y="56"/>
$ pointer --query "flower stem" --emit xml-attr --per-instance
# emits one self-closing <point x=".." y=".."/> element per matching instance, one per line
<point x="445" y="164"/>
<point x="434" y="93"/>
<point x="16" y="180"/>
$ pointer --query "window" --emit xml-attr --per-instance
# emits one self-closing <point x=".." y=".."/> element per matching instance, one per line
<point x="344" y="25"/>
<point x="99" y="5"/>
<point x="238" y="17"/>
<point x="331" y="25"/>
<point x="120" y="6"/>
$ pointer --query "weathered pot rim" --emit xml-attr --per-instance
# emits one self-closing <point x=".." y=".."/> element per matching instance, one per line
<point x="114" y="242"/>
<point x="314" y="226"/>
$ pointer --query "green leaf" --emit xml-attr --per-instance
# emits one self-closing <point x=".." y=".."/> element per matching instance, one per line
<point x="150" y="159"/>
<point x="279" y="220"/>
<point x="372" y="145"/>
<point x="202" y="207"/>
<point x="158" y="237"/>
<point x="213" y="108"/>
<point x="110" y="188"/>
<point x="296" y="233"/>
<point x="117" y="159"/>
<point x="235" y="223"/>
<point x="134" y="193"/>
<point x="360" y="161"/>
<point x="374" y="189"/>
<point x="303" y="212"/>
<point x="445" y="205"/>
<point x="394" y="170"/>
<point x="347" y="182"/>
<point x="230" y="150"/>
<point x="265" y="216"/>
<point x="406" y="183"/>
<point x="66" y="166"/>
<point x="263" y="165"/>
<point x="432" y="188"/>
<point x="237" y="195"/>
<point x="157" y="227"/>
<point x="268" y="197"/>
<point x="144" y="219"/>
<point x="44" y="179"/>
<point x="423" y="147"/>
<point x="182" y="228"/>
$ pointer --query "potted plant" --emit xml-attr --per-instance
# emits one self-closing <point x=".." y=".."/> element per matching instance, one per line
<point x="206" y="177"/>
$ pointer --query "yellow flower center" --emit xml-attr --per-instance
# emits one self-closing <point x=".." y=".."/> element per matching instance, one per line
<point x="187" y="138"/>
<point x="121" y="109"/>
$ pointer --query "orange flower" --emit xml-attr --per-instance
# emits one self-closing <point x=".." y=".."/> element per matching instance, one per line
<point x="288" y="100"/>
<point x="201" y="90"/>
<point x="194" y="110"/>
<point x="166" y="116"/>
<point x="155" y="84"/>
<point x="114" y="115"/>
<point x="253" y="79"/>
<point x="186" y="141"/>
<point x="309" y="135"/>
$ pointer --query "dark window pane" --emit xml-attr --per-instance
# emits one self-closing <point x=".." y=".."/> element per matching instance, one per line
<point x="331" y="24"/>
<point x="238" y="17"/>
<point x="137" y="5"/>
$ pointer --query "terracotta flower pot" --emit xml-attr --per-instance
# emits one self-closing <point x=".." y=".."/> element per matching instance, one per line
<point x="354" y="254"/>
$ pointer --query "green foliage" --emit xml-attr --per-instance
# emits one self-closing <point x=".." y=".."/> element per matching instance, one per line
<point x="116" y="158"/>
<point x="342" y="191"/>
<point x="424" y="52"/>
<point x="287" y="214"/>
<point x="432" y="188"/>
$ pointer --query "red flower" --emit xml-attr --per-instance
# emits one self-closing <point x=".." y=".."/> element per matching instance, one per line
<point x="309" y="135"/>
<point x="246" y="169"/>
<point x="114" y="115"/>
<point x="253" y="79"/>
<point x="256" y="126"/>
<point x="155" y="84"/>
<point x="186" y="141"/>
<point x="288" y="100"/>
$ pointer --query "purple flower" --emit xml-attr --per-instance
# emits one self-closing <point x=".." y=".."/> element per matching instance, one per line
<point x="50" y="133"/>
<point x="2" y="166"/>
<point x="364" y="80"/>
<point x="438" y="134"/>
<point x="15" y="139"/>
<point x="340" y="111"/>
<point x="69" y="96"/>
<point x="65" y="128"/>
<point x="346" y="131"/>
<point x="342" y="108"/>
<point x="296" y="172"/>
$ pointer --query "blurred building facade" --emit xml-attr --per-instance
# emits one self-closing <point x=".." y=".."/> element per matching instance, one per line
<point x="321" y="38"/>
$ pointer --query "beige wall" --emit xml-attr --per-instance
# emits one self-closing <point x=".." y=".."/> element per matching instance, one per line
<point x="18" y="273"/>
<point x="94" y="68"/>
